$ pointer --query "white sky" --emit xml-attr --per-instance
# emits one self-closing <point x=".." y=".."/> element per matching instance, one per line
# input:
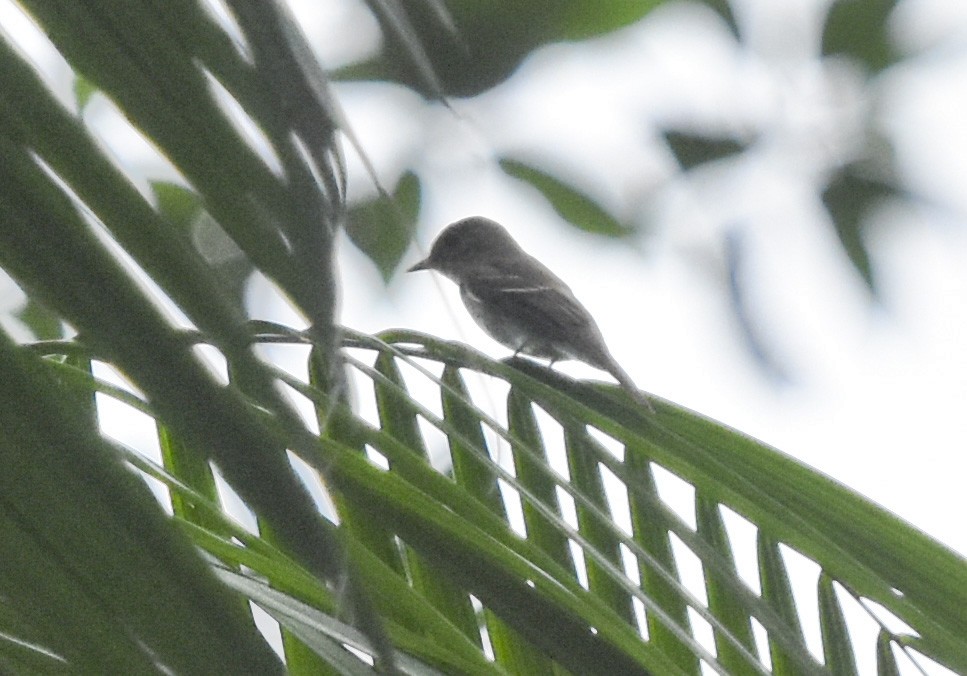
<point x="877" y="394"/>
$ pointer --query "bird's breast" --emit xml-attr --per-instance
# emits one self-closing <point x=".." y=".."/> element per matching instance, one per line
<point x="508" y="329"/>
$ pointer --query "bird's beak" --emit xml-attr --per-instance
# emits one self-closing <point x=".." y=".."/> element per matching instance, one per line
<point x="425" y="264"/>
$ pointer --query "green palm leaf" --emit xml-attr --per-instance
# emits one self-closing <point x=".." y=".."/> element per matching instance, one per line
<point x="471" y="546"/>
<point x="544" y="545"/>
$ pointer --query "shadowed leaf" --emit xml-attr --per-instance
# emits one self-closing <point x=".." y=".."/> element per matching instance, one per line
<point x="848" y="198"/>
<point x="692" y="150"/>
<point x="571" y="204"/>
<point x="858" y="29"/>
<point x="44" y="324"/>
<point x="383" y="230"/>
<point x="465" y="47"/>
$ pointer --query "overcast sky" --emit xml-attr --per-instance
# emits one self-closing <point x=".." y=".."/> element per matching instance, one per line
<point x="874" y="393"/>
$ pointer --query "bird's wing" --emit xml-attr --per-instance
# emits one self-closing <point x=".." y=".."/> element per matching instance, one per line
<point x="550" y="306"/>
<point x="539" y="305"/>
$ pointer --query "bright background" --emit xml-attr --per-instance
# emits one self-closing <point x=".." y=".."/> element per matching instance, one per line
<point x="873" y="392"/>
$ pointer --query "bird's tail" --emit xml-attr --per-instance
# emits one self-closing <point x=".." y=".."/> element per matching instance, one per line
<point x="629" y="385"/>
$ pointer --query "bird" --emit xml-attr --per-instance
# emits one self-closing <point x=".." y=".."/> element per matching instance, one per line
<point x="518" y="301"/>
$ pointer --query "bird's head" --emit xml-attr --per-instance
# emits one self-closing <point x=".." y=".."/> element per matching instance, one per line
<point x="465" y="244"/>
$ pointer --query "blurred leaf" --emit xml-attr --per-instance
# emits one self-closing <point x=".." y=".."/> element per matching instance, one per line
<point x="472" y="46"/>
<point x="403" y="39"/>
<point x="47" y="242"/>
<point x="383" y="229"/>
<point x="360" y="522"/>
<point x="414" y="625"/>
<point x="34" y="119"/>
<point x="285" y="223"/>
<point x="178" y="204"/>
<point x="84" y="89"/>
<point x="44" y="324"/>
<point x="579" y="20"/>
<point x="138" y="56"/>
<point x="692" y="150"/>
<point x="185" y="209"/>
<point x="757" y="342"/>
<point x="573" y="206"/>
<point x="89" y="557"/>
<point x="848" y="198"/>
<point x="858" y="29"/>
<point x="191" y="466"/>
<point x="326" y="635"/>
<point x="724" y="9"/>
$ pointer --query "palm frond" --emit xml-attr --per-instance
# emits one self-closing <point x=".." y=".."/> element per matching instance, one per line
<point x="559" y="583"/>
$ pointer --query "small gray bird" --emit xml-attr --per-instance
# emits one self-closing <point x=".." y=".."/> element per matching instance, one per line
<point x="517" y="300"/>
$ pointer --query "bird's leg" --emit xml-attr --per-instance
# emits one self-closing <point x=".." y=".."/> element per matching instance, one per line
<point x="520" y="348"/>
